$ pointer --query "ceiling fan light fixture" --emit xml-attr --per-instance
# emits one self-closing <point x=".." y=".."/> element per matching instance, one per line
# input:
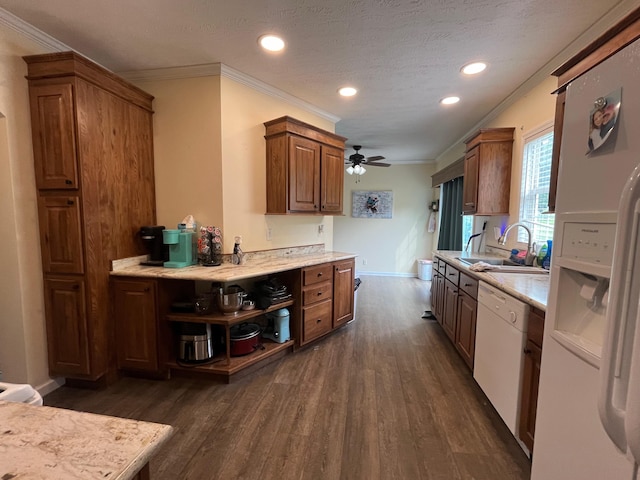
<point x="362" y="170"/>
<point x="350" y="170"/>
<point x="271" y="43"/>
<point x="357" y="169"/>
<point x="347" y="91"/>
<point x="473" y="68"/>
<point x="449" y="100"/>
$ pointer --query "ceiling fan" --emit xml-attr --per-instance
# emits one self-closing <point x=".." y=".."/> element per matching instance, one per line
<point x="357" y="162"/>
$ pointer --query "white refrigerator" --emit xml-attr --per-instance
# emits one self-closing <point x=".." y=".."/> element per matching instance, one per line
<point x="588" y="420"/>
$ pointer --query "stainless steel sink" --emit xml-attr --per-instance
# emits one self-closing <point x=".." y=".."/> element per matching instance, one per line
<point x="503" y="265"/>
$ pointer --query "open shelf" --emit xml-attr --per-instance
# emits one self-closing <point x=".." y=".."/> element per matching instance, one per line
<point x="218" y="318"/>
<point x="220" y="366"/>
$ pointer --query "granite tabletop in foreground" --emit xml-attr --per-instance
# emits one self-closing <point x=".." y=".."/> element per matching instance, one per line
<point x="53" y="443"/>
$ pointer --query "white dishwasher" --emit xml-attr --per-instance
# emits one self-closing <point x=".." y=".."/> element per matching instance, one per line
<point x="500" y="340"/>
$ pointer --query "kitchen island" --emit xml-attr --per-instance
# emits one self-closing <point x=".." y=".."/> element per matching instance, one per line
<point x="147" y="325"/>
<point x="58" y="444"/>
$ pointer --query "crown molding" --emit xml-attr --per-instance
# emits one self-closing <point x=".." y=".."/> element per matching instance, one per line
<point x="32" y="33"/>
<point x="219" y="69"/>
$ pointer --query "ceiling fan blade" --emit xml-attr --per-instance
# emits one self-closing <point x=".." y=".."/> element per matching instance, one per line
<point x="375" y="158"/>
<point x="376" y="164"/>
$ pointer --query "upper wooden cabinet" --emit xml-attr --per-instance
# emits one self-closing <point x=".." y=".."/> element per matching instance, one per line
<point x="93" y="156"/>
<point x="626" y="31"/>
<point x="305" y="168"/>
<point x="487" y="172"/>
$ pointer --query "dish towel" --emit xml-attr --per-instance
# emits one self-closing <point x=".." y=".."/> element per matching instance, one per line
<point x="431" y="226"/>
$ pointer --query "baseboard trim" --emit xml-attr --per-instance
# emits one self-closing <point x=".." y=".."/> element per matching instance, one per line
<point x="50" y="385"/>
<point x="386" y="274"/>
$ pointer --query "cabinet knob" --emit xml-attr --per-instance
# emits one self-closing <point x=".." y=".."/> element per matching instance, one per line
<point x="320" y="274"/>
<point x="319" y="293"/>
<point x="469" y="204"/>
<point x="527" y="351"/>
<point x="70" y="202"/>
<point x="68" y="182"/>
<point x="318" y="320"/>
<point x="76" y="286"/>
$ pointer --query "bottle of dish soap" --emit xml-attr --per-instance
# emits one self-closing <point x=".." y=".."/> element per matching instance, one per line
<point x="541" y="255"/>
<point x="546" y="261"/>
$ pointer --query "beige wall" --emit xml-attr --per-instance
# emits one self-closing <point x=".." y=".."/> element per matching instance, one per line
<point x="531" y="111"/>
<point x="389" y="246"/>
<point x="210" y="161"/>
<point x="23" y="353"/>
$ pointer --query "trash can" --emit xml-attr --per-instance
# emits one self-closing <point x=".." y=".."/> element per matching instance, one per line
<point x="425" y="269"/>
<point x="356" y="284"/>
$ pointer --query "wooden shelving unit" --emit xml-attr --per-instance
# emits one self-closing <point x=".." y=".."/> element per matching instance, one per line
<point x="225" y="365"/>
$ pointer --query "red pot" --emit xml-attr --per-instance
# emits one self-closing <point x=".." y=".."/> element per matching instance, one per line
<point x="244" y="339"/>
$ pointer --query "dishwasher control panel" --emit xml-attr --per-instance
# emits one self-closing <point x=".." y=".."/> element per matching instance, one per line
<point x="508" y="308"/>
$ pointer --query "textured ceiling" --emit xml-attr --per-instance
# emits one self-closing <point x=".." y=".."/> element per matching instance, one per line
<point x="403" y="55"/>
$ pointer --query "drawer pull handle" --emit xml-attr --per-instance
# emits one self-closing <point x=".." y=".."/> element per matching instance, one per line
<point x="467" y="284"/>
<point x="527" y="351"/>
<point x="68" y="182"/>
<point x="69" y="202"/>
<point x="320" y="274"/>
<point x="452" y="274"/>
<point x="469" y="204"/>
<point x="319" y="293"/>
<point x="318" y="320"/>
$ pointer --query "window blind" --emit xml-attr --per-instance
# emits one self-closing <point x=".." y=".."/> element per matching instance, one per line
<point x="534" y="194"/>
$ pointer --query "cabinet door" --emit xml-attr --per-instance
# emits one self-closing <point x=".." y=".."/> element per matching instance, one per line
<point x="60" y="234"/>
<point x="466" y="327"/>
<point x="135" y="319"/>
<point x="438" y="299"/>
<point x="331" y="180"/>
<point x="470" y="187"/>
<point x="67" y="334"/>
<point x="54" y="142"/>
<point x="304" y="175"/>
<point x="450" y="307"/>
<point x="343" y="279"/>
<point x="529" y="398"/>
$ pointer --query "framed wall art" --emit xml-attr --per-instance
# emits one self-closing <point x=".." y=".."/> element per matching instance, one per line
<point x="372" y="204"/>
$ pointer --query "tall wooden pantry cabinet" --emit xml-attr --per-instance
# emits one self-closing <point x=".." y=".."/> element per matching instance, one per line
<point x="93" y="154"/>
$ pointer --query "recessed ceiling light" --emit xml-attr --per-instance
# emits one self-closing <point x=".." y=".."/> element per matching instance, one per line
<point x="449" y="100"/>
<point x="271" y="43"/>
<point x="347" y="91"/>
<point x="473" y="68"/>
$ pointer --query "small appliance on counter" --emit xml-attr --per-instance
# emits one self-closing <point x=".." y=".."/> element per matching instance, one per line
<point x="278" y="326"/>
<point x="158" y="251"/>
<point x="244" y="339"/>
<point x="180" y="242"/>
<point x="196" y="343"/>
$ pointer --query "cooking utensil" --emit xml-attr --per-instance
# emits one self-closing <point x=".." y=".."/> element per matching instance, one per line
<point x="230" y="302"/>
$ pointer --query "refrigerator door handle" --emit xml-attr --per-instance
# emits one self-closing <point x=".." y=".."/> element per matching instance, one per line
<point x="618" y="352"/>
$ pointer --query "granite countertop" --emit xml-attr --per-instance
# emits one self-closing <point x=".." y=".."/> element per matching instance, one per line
<point x="58" y="444"/>
<point x="531" y="288"/>
<point x="255" y="265"/>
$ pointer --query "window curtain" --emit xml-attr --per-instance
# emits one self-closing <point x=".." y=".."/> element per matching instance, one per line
<point x="450" y="236"/>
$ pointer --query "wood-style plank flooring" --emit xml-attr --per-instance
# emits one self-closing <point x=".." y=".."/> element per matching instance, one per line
<point x="386" y="397"/>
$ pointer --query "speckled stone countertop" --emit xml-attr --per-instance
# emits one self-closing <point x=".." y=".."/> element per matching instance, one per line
<point x="53" y="443"/>
<point x="255" y="265"/>
<point x="530" y="288"/>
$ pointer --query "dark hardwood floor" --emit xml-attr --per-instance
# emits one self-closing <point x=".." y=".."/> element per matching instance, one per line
<point x="386" y="397"/>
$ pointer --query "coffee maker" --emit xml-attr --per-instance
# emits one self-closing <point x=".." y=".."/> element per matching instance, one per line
<point x="158" y="252"/>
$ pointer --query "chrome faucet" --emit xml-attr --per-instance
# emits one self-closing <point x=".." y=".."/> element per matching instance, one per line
<point x="530" y="257"/>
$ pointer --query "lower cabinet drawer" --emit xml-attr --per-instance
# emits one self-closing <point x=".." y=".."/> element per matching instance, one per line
<point x="316" y="320"/>
<point x="317" y="294"/>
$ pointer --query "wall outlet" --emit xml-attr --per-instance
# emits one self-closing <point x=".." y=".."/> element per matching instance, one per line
<point x="320" y="229"/>
<point x="364" y="261"/>
<point x="268" y="234"/>
<point x="496" y="232"/>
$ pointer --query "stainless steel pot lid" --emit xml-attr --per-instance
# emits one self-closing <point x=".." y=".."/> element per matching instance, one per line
<point x="244" y="331"/>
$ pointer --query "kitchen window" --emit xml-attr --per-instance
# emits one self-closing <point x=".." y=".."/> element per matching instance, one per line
<point x="534" y="194"/>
